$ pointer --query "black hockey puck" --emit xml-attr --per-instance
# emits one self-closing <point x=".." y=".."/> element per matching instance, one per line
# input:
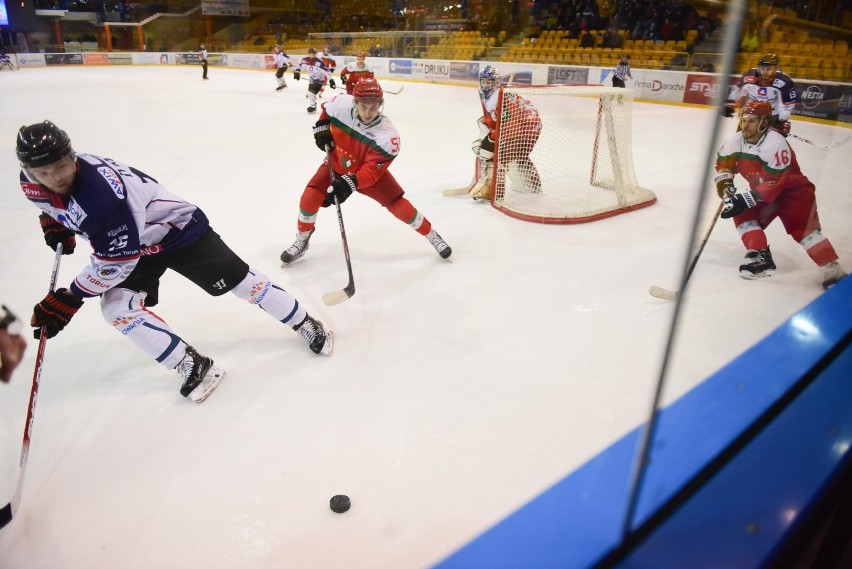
<point x="340" y="503"/>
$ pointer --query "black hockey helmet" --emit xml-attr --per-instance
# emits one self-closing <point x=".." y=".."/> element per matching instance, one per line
<point x="41" y="144"/>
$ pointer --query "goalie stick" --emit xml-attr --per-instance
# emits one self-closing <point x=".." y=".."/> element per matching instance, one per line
<point x="455" y="192"/>
<point x="666" y="294"/>
<point x="338" y="296"/>
<point x="9" y="510"/>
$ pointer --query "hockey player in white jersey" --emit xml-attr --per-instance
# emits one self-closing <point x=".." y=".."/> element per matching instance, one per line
<point x="329" y="61"/>
<point x="317" y="72"/>
<point x="765" y="83"/>
<point x="282" y="62"/>
<point x="138" y="230"/>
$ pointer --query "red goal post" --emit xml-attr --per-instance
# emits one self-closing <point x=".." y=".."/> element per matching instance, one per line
<point x="564" y="154"/>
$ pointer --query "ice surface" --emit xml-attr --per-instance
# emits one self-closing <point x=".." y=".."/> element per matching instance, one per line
<point x="458" y="390"/>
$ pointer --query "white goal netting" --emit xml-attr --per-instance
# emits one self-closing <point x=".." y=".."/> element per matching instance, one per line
<point x="564" y="154"/>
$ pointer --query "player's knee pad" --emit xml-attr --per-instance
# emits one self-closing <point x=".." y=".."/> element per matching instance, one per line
<point x="123" y="308"/>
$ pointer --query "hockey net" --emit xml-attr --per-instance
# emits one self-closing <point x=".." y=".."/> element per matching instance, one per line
<point x="564" y="154"/>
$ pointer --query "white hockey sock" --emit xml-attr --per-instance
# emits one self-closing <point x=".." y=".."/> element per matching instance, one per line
<point x="124" y="309"/>
<point x="257" y="289"/>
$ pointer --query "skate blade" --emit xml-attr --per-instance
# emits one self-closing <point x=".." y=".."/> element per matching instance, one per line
<point x="753" y="277"/>
<point x="214" y="377"/>
<point x="328" y="347"/>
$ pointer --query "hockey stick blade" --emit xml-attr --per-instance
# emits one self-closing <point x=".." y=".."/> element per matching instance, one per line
<point x="392" y="92"/>
<point x="455" y="192"/>
<point x="660" y="292"/>
<point x="338" y="296"/>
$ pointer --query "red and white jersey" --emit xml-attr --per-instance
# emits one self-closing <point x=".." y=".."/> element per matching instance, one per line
<point x="315" y="68"/>
<point x="515" y="108"/>
<point x="352" y="73"/>
<point x="769" y="166"/>
<point x="781" y="93"/>
<point x="281" y="59"/>
<point x="328" y="60"/>
<point x="365" y="150"/>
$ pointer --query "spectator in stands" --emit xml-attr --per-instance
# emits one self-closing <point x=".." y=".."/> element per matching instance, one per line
<point x="587" y="39"/>
<point x="666" y="30"/>
<point x="611" y="39"/>
<point x="750" y="42"/>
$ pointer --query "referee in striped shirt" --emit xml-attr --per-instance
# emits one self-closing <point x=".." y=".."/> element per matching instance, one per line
<point x="622" y="70"/>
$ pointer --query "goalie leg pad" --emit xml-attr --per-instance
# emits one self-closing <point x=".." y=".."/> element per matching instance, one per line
<point x="481" y="189"/>
<point x="524" y="176"/>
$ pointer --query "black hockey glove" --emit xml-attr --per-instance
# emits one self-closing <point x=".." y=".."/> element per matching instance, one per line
<point x="332" y="84"/>
<point x="56" y="233"/>
<point x="322" y="134"/>
<point x="55" y="312"/>
<point x="342" y="187"/>
<point x="728" y="111"/>
<point x="486" y="148"/>
<point x="297" y="74"/>
<point x="738" y="203"/>
<point x="343" y="79"/>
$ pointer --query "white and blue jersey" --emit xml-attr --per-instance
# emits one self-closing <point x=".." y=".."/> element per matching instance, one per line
<point x="124" y="214"/>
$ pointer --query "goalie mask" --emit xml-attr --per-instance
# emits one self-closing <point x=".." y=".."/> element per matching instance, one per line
<point x="489" y="80"/>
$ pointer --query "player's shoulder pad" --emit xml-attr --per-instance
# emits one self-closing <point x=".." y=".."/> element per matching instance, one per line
<point x="782" y="80"/>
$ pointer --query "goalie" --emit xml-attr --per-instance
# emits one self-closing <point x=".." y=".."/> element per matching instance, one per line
<point x="520" y="128"/>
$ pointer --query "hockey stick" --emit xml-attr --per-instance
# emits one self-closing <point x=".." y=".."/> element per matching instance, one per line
<point x="338" y="296"/>
<point x="10" y="509"/>
<point x="823" y="146"/>
<point x="666" y="294"/>
<point x="392" y="92"/>
<point x="455" y="192"/>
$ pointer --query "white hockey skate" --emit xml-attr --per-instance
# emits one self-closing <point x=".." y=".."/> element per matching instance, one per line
<point x="441" y="246"/>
